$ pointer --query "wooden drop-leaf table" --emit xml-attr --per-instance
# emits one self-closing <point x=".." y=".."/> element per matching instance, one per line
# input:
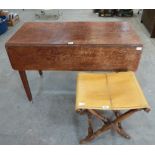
<point x="73" y="46"/>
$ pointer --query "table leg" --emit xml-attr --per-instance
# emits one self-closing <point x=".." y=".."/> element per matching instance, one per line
<point x="40" y="72"/>
<point x="25" y="84"/>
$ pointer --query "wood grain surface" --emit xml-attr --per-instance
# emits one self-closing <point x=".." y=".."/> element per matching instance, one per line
<point x="80" y="33"/>
<point x="74" y="58"/>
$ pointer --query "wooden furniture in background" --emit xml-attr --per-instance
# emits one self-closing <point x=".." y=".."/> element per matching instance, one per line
<point x="114" y="12"/>
<point x="148" y="19"/>
<point x="73" y="46"/>
<point x="112" y="92"/>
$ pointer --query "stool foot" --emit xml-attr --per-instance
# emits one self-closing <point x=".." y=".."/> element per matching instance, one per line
<point x="118" y="127"/>
<point x="90" y="129"/>
<point x="85" y="140"/>
<point x="121" y="131"/>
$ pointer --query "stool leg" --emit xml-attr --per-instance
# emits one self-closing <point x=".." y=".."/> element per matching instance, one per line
<point x="99" y="116"/>
<point x="97" y="133"/>
<point x="90" y="126"/>
<point x="91" y="134"/>
<point x="90" y="129"/>
<point x="118" y="127"/>
<point x="115" y="124"/>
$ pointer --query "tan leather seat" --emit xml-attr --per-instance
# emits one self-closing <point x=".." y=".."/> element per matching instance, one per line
<point x="110" y="91"/>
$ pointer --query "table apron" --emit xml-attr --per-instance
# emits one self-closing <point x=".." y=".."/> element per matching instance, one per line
<point x="73" y="58"/>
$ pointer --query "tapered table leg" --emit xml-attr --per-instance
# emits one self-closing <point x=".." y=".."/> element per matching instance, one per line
<point x="40" y="72"/>
<point x="25" y="84"/>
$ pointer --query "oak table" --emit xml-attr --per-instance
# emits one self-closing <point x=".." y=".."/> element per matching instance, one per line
<point x="73" y="46"/>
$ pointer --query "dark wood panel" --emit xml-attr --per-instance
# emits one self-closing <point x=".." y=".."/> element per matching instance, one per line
<point x="148" y="19"/>
<point x="74" y="58"/>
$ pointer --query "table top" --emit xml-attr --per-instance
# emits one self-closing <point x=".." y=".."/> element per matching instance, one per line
<point x="77" y="33"/>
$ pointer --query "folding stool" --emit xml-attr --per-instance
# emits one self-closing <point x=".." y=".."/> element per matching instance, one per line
<point x="98" y="92"/>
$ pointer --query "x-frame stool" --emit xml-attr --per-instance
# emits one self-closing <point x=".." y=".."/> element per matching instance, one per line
<point x="113" y="92"/>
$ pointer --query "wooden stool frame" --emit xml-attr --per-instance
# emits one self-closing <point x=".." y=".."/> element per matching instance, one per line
<point x="107" y="123"/>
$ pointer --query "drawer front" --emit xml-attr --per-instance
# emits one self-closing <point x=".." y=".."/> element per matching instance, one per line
<point x="74" y="58"/>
